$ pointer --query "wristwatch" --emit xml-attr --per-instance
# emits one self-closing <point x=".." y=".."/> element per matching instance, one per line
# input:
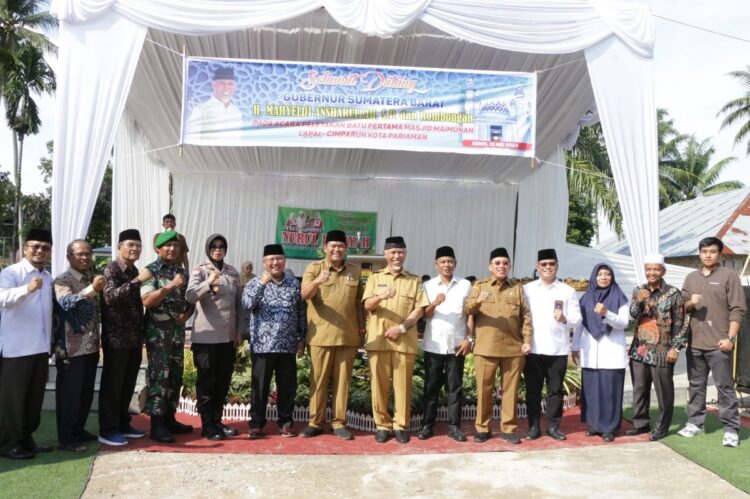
<point x="733" y="339"/>
<point x="402" y="328"/>
<point x="471" y="340"/>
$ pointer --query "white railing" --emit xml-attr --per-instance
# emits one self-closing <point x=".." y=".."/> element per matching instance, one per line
<point x="357" y="421"/>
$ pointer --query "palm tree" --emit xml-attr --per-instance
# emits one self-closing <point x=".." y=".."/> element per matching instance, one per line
<point x="738" y="110"/>
<point x="22" y="42"/>
<point x="26" y="73"/>
<point x="590" y="174"/>
<point x="669" y="141"/>
<point x="694" y="175"/>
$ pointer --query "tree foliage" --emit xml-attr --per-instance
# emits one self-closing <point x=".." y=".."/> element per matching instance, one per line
<point x="738" y="110"/>
<point x="24" y="73"/>
<point x="686" y="170"/>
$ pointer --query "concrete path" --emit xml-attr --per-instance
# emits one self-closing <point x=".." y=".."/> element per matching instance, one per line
<point x="623" y="471"/>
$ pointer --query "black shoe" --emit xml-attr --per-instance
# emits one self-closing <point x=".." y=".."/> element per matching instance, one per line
<point x="637" y="431"/>
<point x="255" y="434"/>
<point x="213" y="432"/>
<point x="608" y="437"/>
<point x="591" y="433"/>
<point x="38" y="449"/>
<point x="656" y="435"/>
<point x="510" y="437"/>
<point x="343" y="433"/>
<point x="227" y="430"/>
<point x="482" y="437"/>
<point x="87" y="437"/>
<point x="175" y="426"/>
<point x="311" y="431"/>
<point x="556" y="434"/>
<point x="533" y="433"/>
<point x="17" y="452"/>
<point x="425" y="432"/>
<point x="402" y="436"/>
<point x="76" y="447"/>
<point x="159" y="432"/>
<point x="382" y="436"/>
<point x="456" y="434"/>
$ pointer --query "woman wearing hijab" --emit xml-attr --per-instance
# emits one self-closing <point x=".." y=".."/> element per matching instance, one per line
<point x="600" y="348"/>
<point x="214" y="288"/>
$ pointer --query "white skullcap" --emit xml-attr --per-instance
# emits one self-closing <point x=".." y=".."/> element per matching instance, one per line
<point x="656" y="258"/>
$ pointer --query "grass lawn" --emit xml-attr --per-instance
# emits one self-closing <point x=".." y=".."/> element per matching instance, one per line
<point x="705" y="449"/>
<point x="55" y="474"/>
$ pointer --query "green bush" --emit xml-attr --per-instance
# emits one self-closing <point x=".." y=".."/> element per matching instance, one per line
<point x="360" y="397"/>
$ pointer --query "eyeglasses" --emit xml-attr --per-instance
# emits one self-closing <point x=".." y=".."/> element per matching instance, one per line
<point x="547" y="264"/>
<point x="218" y="247"/>
<point x="39" y="247"/>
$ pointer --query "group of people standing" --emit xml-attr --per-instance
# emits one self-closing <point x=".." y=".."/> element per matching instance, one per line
<point x="510" y="328"/>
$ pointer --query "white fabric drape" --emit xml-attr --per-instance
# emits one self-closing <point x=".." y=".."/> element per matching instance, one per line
<point x="542" y="213"/>
<point x="427" y="214"/>
<point x="140" y="187"/>
<point x="100" y="41"/>
<point x="97" y="62"/>
<point x="623" y="86"/>
<point x="546" y="26"/>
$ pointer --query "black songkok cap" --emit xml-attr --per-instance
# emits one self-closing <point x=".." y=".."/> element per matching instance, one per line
<point x="337" y="236"/>
<point x="41" y="235"/>
<point x="224" y="74"/>
<point x="547" y="254"/>
<point x="499" y="252"/>
<point x="129" y="235"/>
<point x="273" y="249"/>
<point x="444" y="251"/>
<point x="394" y="242"/>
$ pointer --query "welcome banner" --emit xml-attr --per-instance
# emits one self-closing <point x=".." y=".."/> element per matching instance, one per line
<point x="292" y="104"/>
<point x="301" y="231"/>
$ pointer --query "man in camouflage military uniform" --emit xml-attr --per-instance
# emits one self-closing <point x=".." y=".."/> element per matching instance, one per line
<point x="163" y="295"/>
<point x="396" y="301"/>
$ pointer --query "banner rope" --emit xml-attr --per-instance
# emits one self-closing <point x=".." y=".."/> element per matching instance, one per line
<point x="572" y="168"/>
<point x="165" y="47"/>
<point x="139" y="153"/>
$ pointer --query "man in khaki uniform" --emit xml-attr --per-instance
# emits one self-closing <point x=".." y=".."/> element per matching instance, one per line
<point x="395" y="300"/>
<point x="335" y="328"/>
<point x="502" y="322"/>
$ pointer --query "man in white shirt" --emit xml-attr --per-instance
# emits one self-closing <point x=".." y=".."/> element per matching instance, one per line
<point x="554" y="311"/>
<point x="216" y="119"/>
<point x="25" y="338"/>
<point x="445" y="344"/>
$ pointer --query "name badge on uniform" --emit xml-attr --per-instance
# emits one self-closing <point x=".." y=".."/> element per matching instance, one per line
<point x="382" y="285"/>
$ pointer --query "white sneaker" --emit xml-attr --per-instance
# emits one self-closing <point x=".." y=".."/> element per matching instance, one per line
<point x="731" y="439"/>
<point x="690" y="430"/>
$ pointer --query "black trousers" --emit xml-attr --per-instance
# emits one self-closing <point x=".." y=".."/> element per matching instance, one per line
<point x="266" y="365"/>
<point x="538" y="370"/>
<point x="438" y="370"/>
<point x="22" y="383"/>
<point x="74" y="392"/>
<point x="215" y="364"/>
<point x="119" y="376"/>
<point x="642" y="376"/>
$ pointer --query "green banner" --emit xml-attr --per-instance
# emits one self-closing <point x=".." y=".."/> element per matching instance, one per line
<point x="301" y="231"/>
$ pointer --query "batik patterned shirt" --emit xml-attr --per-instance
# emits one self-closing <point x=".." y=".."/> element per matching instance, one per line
<point x="122" y="310"/>
<point x="660" y="324"/>
<point x="79" y="313"/>
<point x="279" y="319"/>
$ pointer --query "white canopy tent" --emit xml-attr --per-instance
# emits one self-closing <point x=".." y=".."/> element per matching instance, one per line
<point x="584" y="51"/>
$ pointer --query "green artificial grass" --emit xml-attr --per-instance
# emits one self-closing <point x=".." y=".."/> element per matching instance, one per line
<point x="55" y="474"/>
<point x="705" y="449"/>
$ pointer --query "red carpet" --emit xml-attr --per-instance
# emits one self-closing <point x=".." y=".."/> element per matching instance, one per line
<point x="364" y="443"/>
